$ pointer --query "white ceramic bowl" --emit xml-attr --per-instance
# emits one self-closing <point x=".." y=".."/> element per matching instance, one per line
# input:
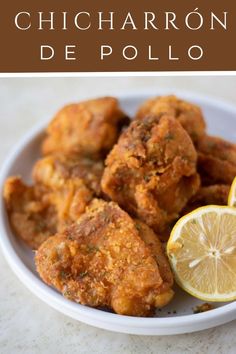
<point x="221" y="119"/>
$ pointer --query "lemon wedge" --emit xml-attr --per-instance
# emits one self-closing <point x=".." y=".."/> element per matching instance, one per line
<point x="232" y="194"/>
<point x="202" y="253"/>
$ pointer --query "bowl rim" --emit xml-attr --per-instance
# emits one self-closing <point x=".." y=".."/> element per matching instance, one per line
<point x="56" y="300"/>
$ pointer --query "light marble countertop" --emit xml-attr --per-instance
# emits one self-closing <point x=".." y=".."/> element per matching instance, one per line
<point x="27" y="325"/>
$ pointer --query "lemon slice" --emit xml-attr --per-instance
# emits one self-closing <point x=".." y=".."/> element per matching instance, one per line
<point x="202" y="253"/>
<point x="232" y="194"/>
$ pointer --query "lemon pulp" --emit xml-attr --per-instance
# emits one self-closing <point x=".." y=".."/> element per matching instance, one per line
<point x="202" y="253"/>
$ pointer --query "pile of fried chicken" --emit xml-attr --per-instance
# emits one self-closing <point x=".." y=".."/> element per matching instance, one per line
<point x="107" y="192"/>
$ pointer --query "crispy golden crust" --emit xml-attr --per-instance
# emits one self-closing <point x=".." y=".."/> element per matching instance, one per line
<point x="216" y="160"/>
<point x="90" y="127"/>
<point x="31" y="215"/>
<point x="71" y="181"/>
<point x="157" y="249"/>
<point x="151" y="172"/>
<point x="102" y="261"/>
<point x="209" y="195"/>
<point x="64" y="186"/>
<point x="188" y="115"/>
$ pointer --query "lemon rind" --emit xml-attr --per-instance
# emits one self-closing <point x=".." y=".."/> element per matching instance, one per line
<point x="232" y="194"/>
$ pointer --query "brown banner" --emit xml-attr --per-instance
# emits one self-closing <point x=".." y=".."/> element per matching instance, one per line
<point x="91" y="35"/>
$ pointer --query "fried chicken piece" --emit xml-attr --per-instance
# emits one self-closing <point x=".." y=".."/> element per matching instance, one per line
<point x="64" y="186"/>
<point x="216" y="160"/>
<point x="90" y="127"/>
<point x="189" y="115"/>
<point x="157" y="249"/>
<point x="31" y="216"/>
<point x="151" y="172"/>
<point x="71" y="181"/>
<point x="210" y="195"/>
<point x="102" y="261"/>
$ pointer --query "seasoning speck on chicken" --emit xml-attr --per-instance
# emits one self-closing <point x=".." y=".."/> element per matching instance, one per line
<point x="105" y="260"/>
<point x="188" y="114"/>
<point x="151" y="172"/>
